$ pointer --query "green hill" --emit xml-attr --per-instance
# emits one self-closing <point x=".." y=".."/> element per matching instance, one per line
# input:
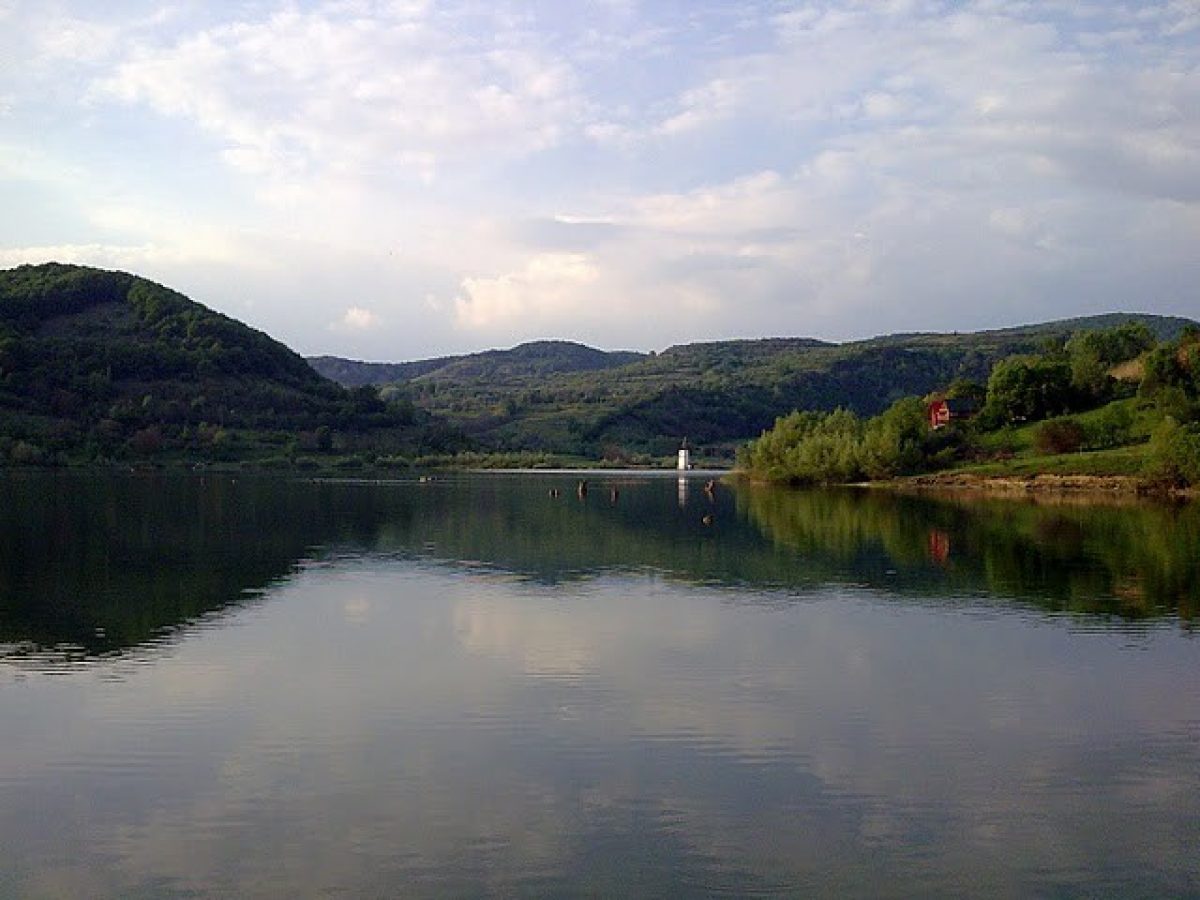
<point x="98" y="365"/>
<point x="535" y="359"/>
<point x="717" y="394"/>
<point x="106" y="366"/>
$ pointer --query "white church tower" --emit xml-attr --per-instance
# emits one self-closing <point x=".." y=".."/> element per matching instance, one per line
<point x="685" y="457"/>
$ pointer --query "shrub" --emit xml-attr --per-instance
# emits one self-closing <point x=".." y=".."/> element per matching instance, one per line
<point x="24" y="453"/>
<point x="1112" y="427"/>
<point x="147" y="441"/>
<point x="1174" y="456"/>
<point x="1058" y="436"/>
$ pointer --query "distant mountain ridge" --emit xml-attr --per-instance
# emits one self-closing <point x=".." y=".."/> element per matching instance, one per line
<point x="717" y="393"/>
<point x="547" y="357"/>
<point x="533" y="358"/>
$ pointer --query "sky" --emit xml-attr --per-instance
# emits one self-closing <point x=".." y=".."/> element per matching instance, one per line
<point x="402" y="179"/>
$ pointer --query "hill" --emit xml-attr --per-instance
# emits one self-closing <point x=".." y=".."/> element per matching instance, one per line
<point x="535" y="359"/>
<point x="100" y="365"/>
<point x="717" y="394"/>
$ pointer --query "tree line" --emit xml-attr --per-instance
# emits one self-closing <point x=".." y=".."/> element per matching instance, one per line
<point x="1090" y="371"/>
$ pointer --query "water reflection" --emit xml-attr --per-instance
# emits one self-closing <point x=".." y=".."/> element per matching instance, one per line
<point x="1133" y="561"/>
<point x="383" y="729"/>
<point x="470" y="686"/>
<point x="91" y="566"/>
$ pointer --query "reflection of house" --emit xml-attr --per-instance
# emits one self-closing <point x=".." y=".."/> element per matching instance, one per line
<point x="939" y="546"/>
<point x="943" y="412"/>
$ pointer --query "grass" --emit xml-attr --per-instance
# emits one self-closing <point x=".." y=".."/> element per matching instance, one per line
<point x="1019" y="443"/>
<point x="1128" y="461"/>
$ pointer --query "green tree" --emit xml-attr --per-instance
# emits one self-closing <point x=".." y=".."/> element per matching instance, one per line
<point x="1174" y="456"/>
<point x="1093" y="353"/>
<point x="895" y="442"/>
<point x="838" y="447"/>
<point x="966" y="389"/>
<point x="1028" y="388"/>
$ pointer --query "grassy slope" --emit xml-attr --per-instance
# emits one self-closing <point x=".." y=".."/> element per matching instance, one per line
<point x="1128" y="460"/>
<point x="1124" y="461"/>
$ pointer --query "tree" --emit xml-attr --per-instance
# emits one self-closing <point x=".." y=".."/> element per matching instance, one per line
<point x="1025" y="388"/>
<point x="1094" y="353"/>
<point x="1174" y="456"/>
<point x="324" y="438"/>
<point x="1172" y="375"/>
<point x="825" y="448"/>
<point x="966" y="389"/>
<point x="895" y="441"/>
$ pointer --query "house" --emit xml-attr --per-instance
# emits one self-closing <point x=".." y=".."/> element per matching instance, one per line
<point x="943" y="412"/>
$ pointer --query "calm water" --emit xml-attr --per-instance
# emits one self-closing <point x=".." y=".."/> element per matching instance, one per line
<point x="260" y="687"/>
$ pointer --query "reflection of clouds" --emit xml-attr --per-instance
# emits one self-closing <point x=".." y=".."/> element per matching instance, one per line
<point x="357" y="610"/>
<point x="493" y="731"/>
<point x="542" y="641"/>
<point x="919" y="724"/>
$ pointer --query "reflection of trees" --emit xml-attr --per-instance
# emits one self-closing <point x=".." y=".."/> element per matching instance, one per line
<point x="104" y="563"/>
<point x="1132" y="561"/>
<point x="100" y="564"/>
<point x="842" y="524"/>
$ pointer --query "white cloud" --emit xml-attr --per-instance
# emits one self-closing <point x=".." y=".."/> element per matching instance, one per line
<point x="549" y="287"/>
<point x="140" y="258"/>
<point x="750" y="202"/>
<point x="883" y="105"/>
<point x="713" y="102"/>
<point x="70" y="39"/>
<point x="359" y="319"/>
<point x="502" y="173"/>
<point x="295" y="92"/>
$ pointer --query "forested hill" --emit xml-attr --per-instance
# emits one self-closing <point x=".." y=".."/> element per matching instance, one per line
<point x="102" y="366"/>
<point x="533" y="359"/>
<point x="717" y="394"/>
<point x="98" y="365"/>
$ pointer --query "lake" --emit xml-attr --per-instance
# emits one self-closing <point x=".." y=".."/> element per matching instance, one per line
<point x="250" y="686"/>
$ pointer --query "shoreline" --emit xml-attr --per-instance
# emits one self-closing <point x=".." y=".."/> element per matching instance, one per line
<point x="1043" y="485"/>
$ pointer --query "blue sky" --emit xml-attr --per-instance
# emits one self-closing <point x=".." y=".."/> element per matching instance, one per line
<point x="394" y="180"/>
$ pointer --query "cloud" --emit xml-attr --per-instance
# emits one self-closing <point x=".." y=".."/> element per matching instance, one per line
<point x="359" y="319"/>
<point x="550" y="287"/>
<point x="619" y="173"/>
<point x="144" y="259"/>
<point x="67" y="38"/>
<point x="717" y="100"/>
<point x="750" y="202"/>
<point x="398" y="89"/>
